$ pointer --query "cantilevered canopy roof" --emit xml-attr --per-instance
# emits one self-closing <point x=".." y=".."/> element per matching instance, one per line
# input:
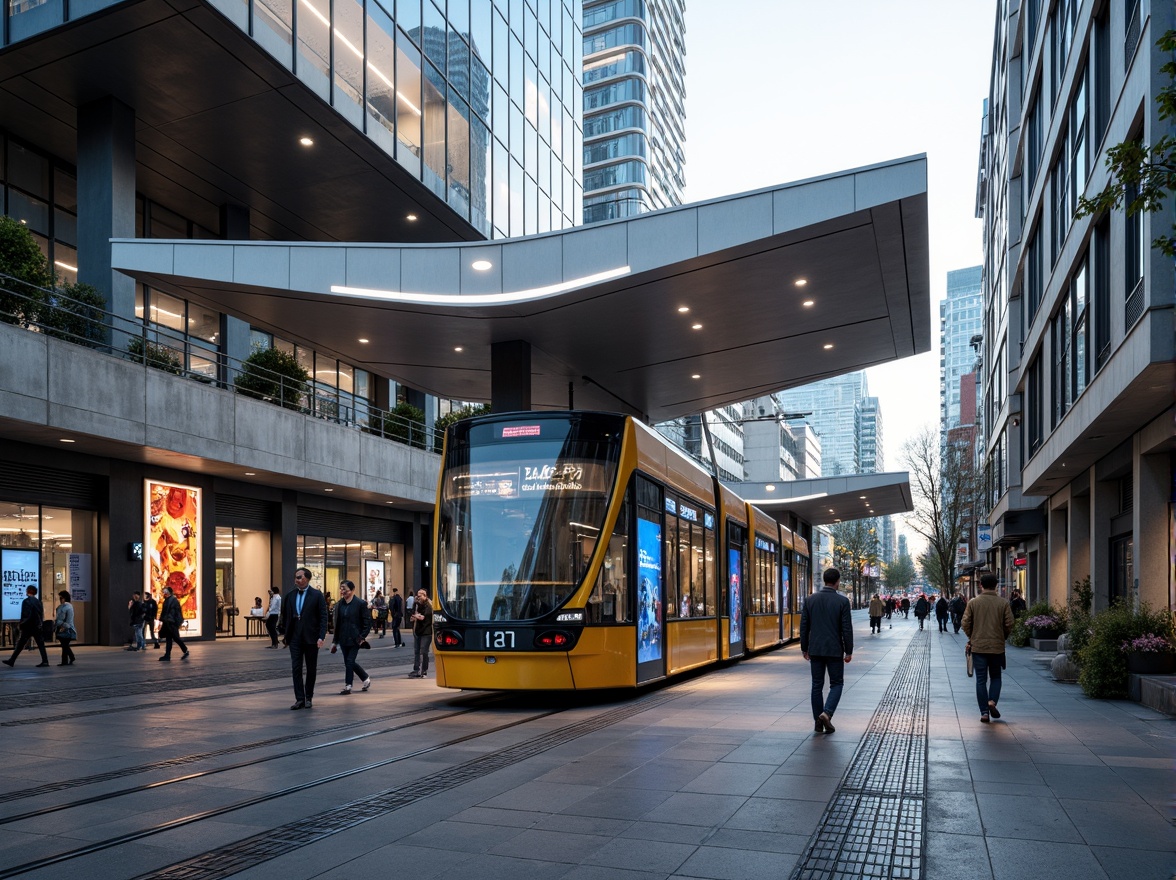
<point x="660" y="316"/>
<point x="826" y="500"/>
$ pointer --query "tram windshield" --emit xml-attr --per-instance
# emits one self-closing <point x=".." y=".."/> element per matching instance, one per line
<point x="522" y="505"/>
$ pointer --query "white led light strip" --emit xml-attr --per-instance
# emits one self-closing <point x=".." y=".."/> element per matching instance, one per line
<point x="479" y="299"/>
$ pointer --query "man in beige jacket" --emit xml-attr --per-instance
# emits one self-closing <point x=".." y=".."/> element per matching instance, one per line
<point x="988" y="620"/>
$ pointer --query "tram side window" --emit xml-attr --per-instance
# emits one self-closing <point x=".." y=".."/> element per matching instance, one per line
<point x="606" y="603"/>
<point x="762" y="593"/>
<point x="702" y="543"/>
<point x="670" y="555"/>
<point x="686" y="572"/>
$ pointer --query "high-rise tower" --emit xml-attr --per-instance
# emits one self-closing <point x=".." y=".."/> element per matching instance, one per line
<point x="634" y="111"/>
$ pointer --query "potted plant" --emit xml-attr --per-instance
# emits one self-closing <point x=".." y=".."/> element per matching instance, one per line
<point x="1149" y="654"/>
<point x="1045" y="626"/>
<point x="275" y="376"/>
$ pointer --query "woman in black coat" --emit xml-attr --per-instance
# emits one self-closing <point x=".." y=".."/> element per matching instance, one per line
<point x="353" y="622"/>
<point x="922" y="609"/>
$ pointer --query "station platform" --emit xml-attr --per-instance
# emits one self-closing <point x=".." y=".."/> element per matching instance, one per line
<point x="124" y="767"/>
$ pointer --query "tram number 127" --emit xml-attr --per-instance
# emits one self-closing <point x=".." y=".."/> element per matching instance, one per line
<point x="499" y="639"/>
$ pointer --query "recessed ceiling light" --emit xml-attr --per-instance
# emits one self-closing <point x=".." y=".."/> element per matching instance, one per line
<point x="411" y="218"/>
<point x="389" y="502"/>
<point x="328" y="490"/>
<point x="306" y="142"/>
<point x="250" y="474"/>
<point x="458" y="348"/>
<point x="683" y="309"/>
<point x="696" y="376"/>
<point x="808" y="303"/>
<point x="863" y="497"/>
<point x="67" y="440"/>
<point x="364" y="341"/>
<point x="695" y="326"/>
<point x="481" y="265"/>
<point x="828" y="345"/>
<point x="800" y="282"/>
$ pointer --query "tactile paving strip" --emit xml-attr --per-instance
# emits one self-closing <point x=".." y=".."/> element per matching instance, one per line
<point x="874" y="825"/>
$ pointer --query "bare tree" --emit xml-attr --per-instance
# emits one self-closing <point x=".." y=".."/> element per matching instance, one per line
<point x="855" y="546"/>
<point x="944" y="484"/>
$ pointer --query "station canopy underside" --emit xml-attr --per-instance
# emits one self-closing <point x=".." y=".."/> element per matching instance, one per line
<point x="827" y="500"/>
<point x="661" y="316"/>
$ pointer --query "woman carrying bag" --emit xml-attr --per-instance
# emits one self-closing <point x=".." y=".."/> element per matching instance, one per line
<point x="353" y="622"/>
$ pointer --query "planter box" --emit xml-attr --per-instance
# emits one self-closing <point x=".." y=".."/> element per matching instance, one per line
<point x="1150" y="663"/>
<point x="1045" y="632"/>
<point x="1049" y="645"/>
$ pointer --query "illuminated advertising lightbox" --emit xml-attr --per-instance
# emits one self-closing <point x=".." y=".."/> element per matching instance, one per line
<point x="735" y="595"/>
<point x="785" y="589"/>
<point x="21" y="570"/>
<point x="649" y="606"/>
<point x="172" y="531"/>
<point x="373" y="578"/>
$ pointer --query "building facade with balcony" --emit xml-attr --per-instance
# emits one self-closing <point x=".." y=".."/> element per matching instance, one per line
<point x="1077" y="357"/>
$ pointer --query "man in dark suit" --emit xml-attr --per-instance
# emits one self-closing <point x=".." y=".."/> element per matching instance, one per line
<point x="826" y="640"/>
<point x="304" y="619"/>
<point x="32" y="613"/>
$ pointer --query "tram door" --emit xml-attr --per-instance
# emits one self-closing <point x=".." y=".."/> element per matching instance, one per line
<point x="736" y="579"/>
<point x="650" y="591"/>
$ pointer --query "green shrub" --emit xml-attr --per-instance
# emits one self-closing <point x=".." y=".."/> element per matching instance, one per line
<point x="21" y="295"/>
<point x="443" y="423"/>
<point x="276" y="376"/>
<point x="1103" y="664"/>
<point x="158" y="356"/>
<point x="75" y="313"/>
<point x="1022" y="632"/>
<point x="1079" y="628"/>
<point x="405" y="424"/>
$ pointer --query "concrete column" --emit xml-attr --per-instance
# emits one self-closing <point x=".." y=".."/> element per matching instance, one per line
<point x="510" y="376"/>
<point x="284" y="543"/>
<point x="1152" y="516"/>
<point x="415" y="551"/>
<point x="118" y="575"/>
<point x="1059" y="556"/>
<point x="1080" y="546"/>
<point x="106" y="202"/>
<point x="234" y="220"/>
<point x="1104" y="505"/>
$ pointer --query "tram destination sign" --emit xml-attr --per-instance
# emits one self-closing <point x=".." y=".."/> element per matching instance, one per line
<point x="532" y="479"/>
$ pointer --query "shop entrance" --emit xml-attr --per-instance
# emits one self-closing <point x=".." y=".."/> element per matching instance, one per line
<point x="242" y="581"/>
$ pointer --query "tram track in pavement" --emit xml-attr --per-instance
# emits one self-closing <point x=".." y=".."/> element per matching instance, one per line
<point x="33" y="699"/>
<point x="273" y="842"/>
<point x="185" y="760"/>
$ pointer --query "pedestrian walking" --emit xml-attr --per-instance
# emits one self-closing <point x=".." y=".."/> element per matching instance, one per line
<point x="988" y="620"/>
<point x="304" y="622"/>
<point x="380" y="607"/>
<point x="135" y="609"/>
<point x="32" y="613"/>
<point x="352" y="624"/>
<point x="273" y="615"/>
<point x="922" y="608"/>
<point x="906" y="607"/>
<point x="150" y="613"/>
<point x="826" y="641"/>
<point x="171" y="618"/>
<point x="1017" y="603"/>
<point x="396" y="612"/>
<point x="957" y="611"/>
<point x="877" y="609"/>
<point x="941" y="610"/>
<point x="63" y="626"/>
<point x="422" y="634"/>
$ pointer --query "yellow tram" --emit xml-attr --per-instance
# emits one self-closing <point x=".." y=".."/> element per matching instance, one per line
<point x="579" y="550"/>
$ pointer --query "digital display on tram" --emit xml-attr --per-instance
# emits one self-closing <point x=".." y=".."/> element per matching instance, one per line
<point x="507" y="481"/>
<point x="649" y="605"/>
<point x="735" y="595"/>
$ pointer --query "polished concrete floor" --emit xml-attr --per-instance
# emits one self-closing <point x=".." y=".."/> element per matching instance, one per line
<point x="123" y="767"/>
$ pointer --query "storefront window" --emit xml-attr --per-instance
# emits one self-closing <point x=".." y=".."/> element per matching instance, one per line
<point x="242" y="577"/>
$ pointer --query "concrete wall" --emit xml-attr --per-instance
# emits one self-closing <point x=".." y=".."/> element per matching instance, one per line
<point x="48" y="383"/>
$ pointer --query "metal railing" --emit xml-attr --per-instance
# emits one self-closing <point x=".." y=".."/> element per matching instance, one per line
<point x="54" y="313"/>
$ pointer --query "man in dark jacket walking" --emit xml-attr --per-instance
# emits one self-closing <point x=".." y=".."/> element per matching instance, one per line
<point x="396" y="612"/>
<point x="304" y="619"/>
<point x="922" y="609"/>
<point x="171" y="618"/>
<point x="826" y="640"/>
<point x="32" y="612"/>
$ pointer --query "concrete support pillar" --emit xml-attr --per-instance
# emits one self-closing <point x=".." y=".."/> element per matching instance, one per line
<point x="1104" y="506"/>
<point x="284" y="543"/>
<point x="1080" y="558"/>
<point x="1152" y="515"/>
<point x="510" y="376"/>
<point x="106" y="202"/>
<point x="234" y="221"/>
<point x="416" y="552"/>
<point x="1059" y="556"/>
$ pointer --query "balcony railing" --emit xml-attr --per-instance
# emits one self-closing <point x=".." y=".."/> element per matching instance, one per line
<point x="53" y="313"/>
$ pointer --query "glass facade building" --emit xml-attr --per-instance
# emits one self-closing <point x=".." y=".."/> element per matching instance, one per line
<point x="634" y="115"/>
<point x="476" y="99"/>
<point x="960" y="320"/>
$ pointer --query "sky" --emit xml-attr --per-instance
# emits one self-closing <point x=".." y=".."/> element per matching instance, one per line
<point x="782" y="90"/>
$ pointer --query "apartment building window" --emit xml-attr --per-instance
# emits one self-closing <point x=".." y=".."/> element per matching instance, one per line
<point x="1032" y="19"/>
<point x="1068" y="334"/>
<point x="1101" y="51"/>
<point x="1033" y="413"/>
<point x="1032" y="146"/>
<point x="1032" y="277"/>
<point x="1135" y="245"/>
<point x="1079" y="140"/>
<point x="1102" y="293"/>
<point x="1061" y="33"/>
<point x="1060" y="212"/>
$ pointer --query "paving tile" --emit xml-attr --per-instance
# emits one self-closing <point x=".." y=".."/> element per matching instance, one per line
<point x="696" y="809"/>
<point x="642" y="855"/>
<point x="1135" y="862"/>
<point x="803" y="788"/>
<point x="722" y="863"/>
<point x="1027" y="818"/>
<point x="552" y="846"/>
<point x="1025" y="859"/>
<point x="956" y="856"/>
<point x="1103" y="824"/>
<point x="723" y="778"/>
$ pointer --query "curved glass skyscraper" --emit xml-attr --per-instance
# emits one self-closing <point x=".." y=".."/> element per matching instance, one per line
<point x="634" y="116"/>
